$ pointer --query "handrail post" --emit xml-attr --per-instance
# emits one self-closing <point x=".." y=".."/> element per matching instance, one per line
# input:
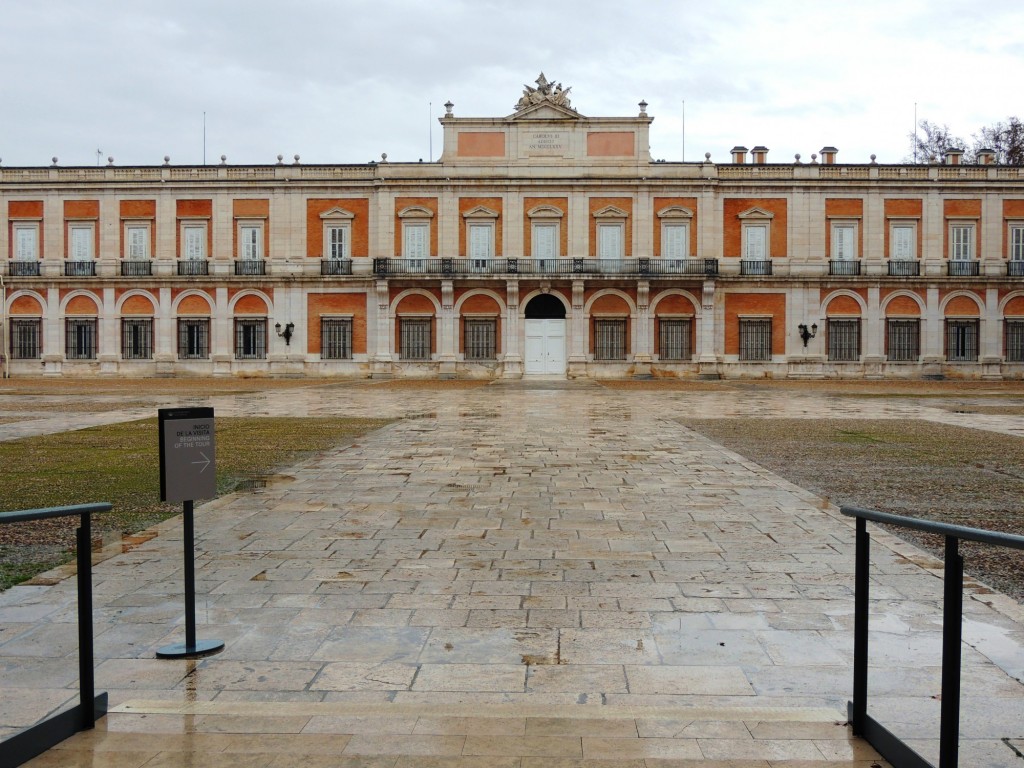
<point x="87" y="684"/>
<point x="952" y="620"/>
<point x="860" y="626"/>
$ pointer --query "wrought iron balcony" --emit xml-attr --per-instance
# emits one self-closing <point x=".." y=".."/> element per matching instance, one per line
<point x="904" y="268"/>
<point x="18" y="268"/>
<point x="564" y="266"/>
<point x="755" y="267"/>
<point x="136" y="268"/>
<point x="843" y="267"/>
<point x="336" y="266"/>
<point x="250" y="267"/>
<point x="1015" y="268"/>
<point x="80" y="269"/>
<point x="964" y="268"/>
<point x="193" y="267"/>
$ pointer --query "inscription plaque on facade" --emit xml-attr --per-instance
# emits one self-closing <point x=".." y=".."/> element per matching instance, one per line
<point x="546" y="143"/>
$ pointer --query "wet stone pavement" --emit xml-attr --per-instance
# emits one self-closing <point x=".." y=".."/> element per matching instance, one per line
<point x="521" y="576"/>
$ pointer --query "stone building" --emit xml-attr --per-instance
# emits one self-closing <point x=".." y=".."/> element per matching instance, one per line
<point x="542" y="243"/>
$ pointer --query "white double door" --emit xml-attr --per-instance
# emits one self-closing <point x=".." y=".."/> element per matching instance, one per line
<point x="545" y="347"/>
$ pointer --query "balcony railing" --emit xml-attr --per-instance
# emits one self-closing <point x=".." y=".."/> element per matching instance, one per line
<point x="136" y="268"/>
<point x="250" y="267"/>
<point x="1013" y="268"/>
<point x="566" y="266"/>
<point x="336" y="266"/>
<point x="193" y="267"/>
<point x="755" y="267"/>
<point x="904" y="268"/>
<point x="964" y="268"/>
<point x="843" y="267"/>
<point x="80" y="269"/>
<point x="23" y="269"/>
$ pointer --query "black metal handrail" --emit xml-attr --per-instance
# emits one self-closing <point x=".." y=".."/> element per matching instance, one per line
<point x="250" y="266"/>
<point x="844" y="267"/>
<point x="79" y="269"/>
<point x="336" y="266"/>
<point x="878" y="736"/>
<point x="755" y="267"/>
<point x="132" y="268"/>
<point x="963" y="268"/>
<point x="35" y="740"/>
<point x="193" y="267"/>
<point x="576" y="265"/>
<point x="29" y="268"/>
<point x="904" y="268"/>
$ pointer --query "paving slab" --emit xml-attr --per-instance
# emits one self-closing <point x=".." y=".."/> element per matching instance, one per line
<point x="516" y="575"/>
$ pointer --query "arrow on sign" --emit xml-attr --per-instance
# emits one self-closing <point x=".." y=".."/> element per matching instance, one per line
<point x="205" y="463"/>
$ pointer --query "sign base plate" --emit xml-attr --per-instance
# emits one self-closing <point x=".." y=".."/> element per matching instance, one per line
<point x="184" y="651"/>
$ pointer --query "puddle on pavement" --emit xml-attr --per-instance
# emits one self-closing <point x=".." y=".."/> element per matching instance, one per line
<point x="259" y="482"/>
<point x="998" y="644"/>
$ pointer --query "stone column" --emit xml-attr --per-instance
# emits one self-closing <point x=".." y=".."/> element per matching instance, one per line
<point x="707" y="359"/>
<point x="931" y="334"/>
<point x="578" y="355"/>
<point x="642" y="331"/>
<point x="990" y="334"/>
<point x="513" y="368"/>
<point x="381" y="363"/>
<point x="109" y="333"/>
<point x="447" y="331"/>
<point x="223" y="333"/>
<point x="53" y="352"/>
<point x="165" y="333"/>
<point x="872" y="335"/>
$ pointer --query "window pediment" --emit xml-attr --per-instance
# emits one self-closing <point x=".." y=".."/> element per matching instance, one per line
<point x="337" y="213"/>
<point x="480" y="212"/>
<point x="675" y="212"/>
<point x="545" y="212"/>
<point x="756" y="213"/>
<point x="610" y="212"/>
<point x="416" y="212"/>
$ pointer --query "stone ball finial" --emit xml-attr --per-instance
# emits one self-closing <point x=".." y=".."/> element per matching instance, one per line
<point x="873" y="157"/>
<point x="54" y="159"/>
<point x="707" y="157"/>
<point x="383" y="157"/>
<point x="110" y="160"/>
<point x="797" y="156"/>
<point x="814" y="157"/>
<point x="280" y="159"/>
<point x="223" y="159"/>
<point x="167" y="159"/>
<point x="296" y="158"/>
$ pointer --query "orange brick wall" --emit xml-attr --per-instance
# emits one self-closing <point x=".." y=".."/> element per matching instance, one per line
<point x="962" y="306"/>
<point x="862" y="292"/>
<point x="251" y="305"/>
<point x="764" y="304"/>
<point x="732" y="228"/>
<point x="194" y="305"/>
<point x="625" y="204"/>
<point x="140" y="209"/>
<point x="481" y="144"/>
<point x="23" y="209"/>
<point x="138" y="305"/>
<point x="971" y="208"/>
<point x="843" y="305"/>
<point x="430" y="203"/>
<point x="468" y="204"/>
<point x="1015" y="307"/>
<point x="611" y="144"/>
<point x="838" y="207"/>
<point x="609" y="304"/>
<point x="675" y="305"/>
<point x="360" y="225"/>
<point x="665" y="202"/>
<point x="232" y="292"/>
<point x="79" y="210"/>
<point x="251" y="209"/>
<point x="903" y="207"/>
<point x="26" y="305"/>
<point x="82" y="305"/>
<point x="353" y="304"/>
<point x="902" y="306"/>
<point x="562" y="204"/>
<point x="197" y="209"/>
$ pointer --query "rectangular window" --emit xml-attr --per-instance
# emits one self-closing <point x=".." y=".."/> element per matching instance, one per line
<point x="81" y="245"/>
<point x="136" y="242"/>
<point x="962" y="341"/>
<point x="250" y="338"/>
<point x="137" y="338"/>
<point x="755" y="242"/>
<point x="415" y="240"/>
<point x="26" y="242"/>
<point x="1013" y="341"/>
<point x="414" y="343"/>
<point x="337" y="238"/>
<point x="481" y="244"/>
<point x="903" y="340"/>
<point x="336" y="338"/>
<point x="26" y="338"/>
<point x="903" y="242"/>
<point x="480" y="338"/>
<point x="80" y="338"/>
<point x="610" y="339"/>
<point x="674" y="336"/>
<point x="1017" y="243"/>
<point x="193" y="237"/>
<point x="609" y="241"/>
<point x="756" y="339"/>
<point x="844" y="340"/>
<point x="961" y="241"/>
<point x="193" y="338"/>
<point x="844" y="242"/>
<point x="675" y="241"/>
<point x="250" y="237"/>
<point x="544" y="241"/>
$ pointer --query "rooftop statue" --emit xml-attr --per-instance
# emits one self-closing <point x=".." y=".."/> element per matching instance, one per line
<point x="545" y="91"/>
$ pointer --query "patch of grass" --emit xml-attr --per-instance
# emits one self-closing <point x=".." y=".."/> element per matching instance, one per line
<point x="915" y="468"/>
<point x="119" y="463"/>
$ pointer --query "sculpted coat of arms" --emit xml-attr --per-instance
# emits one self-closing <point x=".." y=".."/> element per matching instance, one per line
<point x="545" y="92"/>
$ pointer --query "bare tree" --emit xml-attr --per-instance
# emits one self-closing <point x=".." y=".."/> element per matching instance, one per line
<point x="1006" y="139"/>
<point x="930" y="142"/>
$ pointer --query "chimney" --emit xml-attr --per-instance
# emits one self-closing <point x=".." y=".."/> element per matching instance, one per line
<point x="739" y="155"/>
<point x="828" y="155"/>
<point x="953" y="156"/>
<point x="760" y="155"/>
<point x="986" y="156"/>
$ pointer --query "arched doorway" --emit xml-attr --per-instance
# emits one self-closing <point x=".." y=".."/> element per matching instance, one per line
<point x="545" y="336"/>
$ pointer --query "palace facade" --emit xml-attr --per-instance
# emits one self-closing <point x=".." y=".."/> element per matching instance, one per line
<point x="543" y="243"/>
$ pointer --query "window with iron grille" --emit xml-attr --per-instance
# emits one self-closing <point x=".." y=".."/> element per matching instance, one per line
<point x="610" y="339"/>
<point x="335" y="338"/>
<point x="756" y="339"/>
<point x="250" y="338"/>
<point x="903" y="340"/>
<point x="80" y="338"/>
<point x="962" y="341"/>
<point x="674" y="338"/>
<point x="480" y="338"/>
<point x="844" y="340"/>
<point x="1013" y="341"/>
<point x="136" y="338"/>
<point x="26" y="338"/>
<point x="193" y="338"/>
<point x="415" y="338"/>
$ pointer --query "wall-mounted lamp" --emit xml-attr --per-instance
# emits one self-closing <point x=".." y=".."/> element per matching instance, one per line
<point x="287" y="332"/>
<point x="806" y="334"/>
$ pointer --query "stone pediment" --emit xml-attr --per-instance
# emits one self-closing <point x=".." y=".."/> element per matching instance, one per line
<point x="337" y="213"/>
<point x="757" y="213"/>
<point x="548" y="101"/>
<point x="546" y="111"/>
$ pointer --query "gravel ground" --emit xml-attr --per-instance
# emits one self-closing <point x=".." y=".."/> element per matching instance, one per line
<point x="914" y="468"/>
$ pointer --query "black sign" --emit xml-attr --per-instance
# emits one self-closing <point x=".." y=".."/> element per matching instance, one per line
<point x="188" y="469"/>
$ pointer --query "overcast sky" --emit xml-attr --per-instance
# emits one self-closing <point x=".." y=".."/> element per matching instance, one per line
<point x="341" y="81"/>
